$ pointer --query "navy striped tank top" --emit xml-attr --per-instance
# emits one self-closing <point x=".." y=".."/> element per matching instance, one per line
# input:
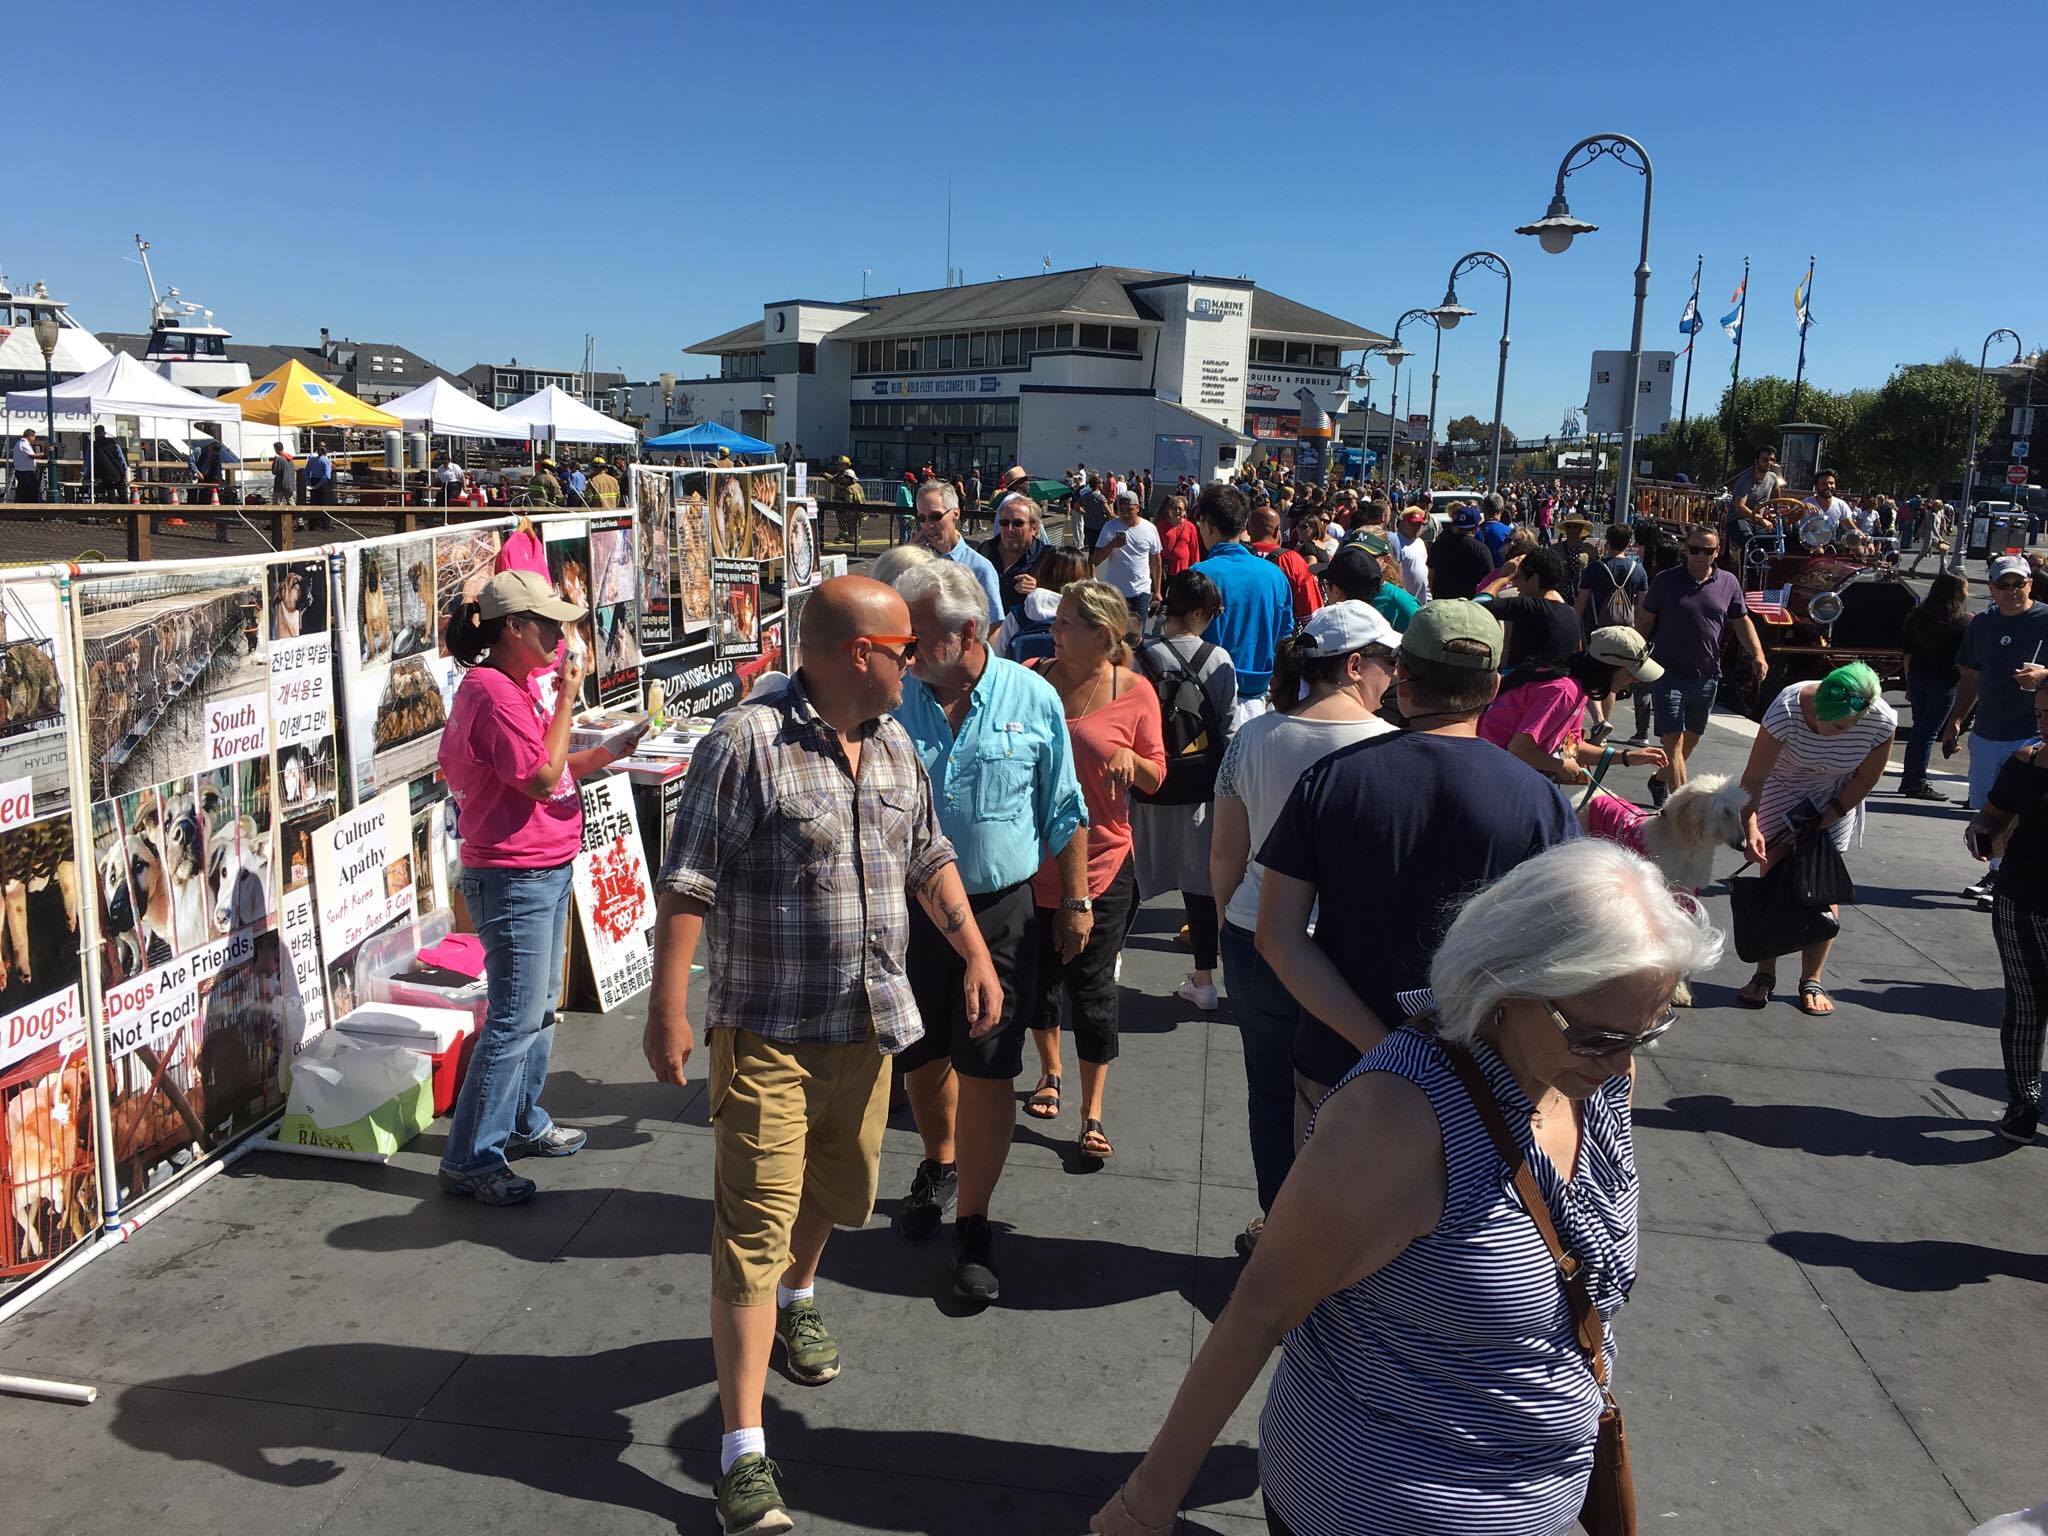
<point x="1446" y="1393"/>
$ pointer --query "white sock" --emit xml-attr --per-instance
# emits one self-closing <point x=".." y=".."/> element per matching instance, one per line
<point x="785" y="1297"/>
<point x="741" y="1442"/>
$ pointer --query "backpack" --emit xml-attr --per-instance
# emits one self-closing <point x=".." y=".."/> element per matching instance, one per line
<point x="1617" y="607"/>
<point x="1187" y="723"/>
<point x="1032" y="640"/>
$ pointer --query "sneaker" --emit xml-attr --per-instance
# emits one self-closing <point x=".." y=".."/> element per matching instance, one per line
<point x="2019" y="1123"/>
<point x="555" y="1141"/>
<point x="1202" y="996"/>
<point x="1659" y="793"/>
<point x="933" y="1190"/>
<point x="1922" y="791"/>
<point x="1983" y="903"/>
<point x="1117" y="971"/>
<point x="1638" y="739"/>
<point x="1598" y="732"/>
<point x="749" y="1502"/>
<point x="1980" y="890"/>
<point x="813" y="1354"/>
<point x="974" y="1277"/>
<point x="494" y="1186"/>
<point x="1248" y="1239"/>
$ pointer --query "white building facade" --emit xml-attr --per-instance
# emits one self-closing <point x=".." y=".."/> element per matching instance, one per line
<point x="1112" y="367"/>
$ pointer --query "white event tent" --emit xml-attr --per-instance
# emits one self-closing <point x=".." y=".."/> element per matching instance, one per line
<point x="121" y="386"/>
<point x="442" y="409"/>
<point x="562" y="418"/>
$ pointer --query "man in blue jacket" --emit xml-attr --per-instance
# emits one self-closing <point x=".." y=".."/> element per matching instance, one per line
<point x="1258" y="608"/>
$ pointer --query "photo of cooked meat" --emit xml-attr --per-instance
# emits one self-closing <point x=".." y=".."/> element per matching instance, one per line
<point x="693" y="550"/>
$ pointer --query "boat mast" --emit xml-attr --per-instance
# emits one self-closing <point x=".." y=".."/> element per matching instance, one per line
<point x="155" y="303"/>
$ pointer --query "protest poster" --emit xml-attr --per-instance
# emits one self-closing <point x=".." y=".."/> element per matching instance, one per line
<point x="362" y="886"/>
<point x="34" y="677"/>
<point x="567" y="541"/>
<point x="614" y="598"/>
<point x="736" y="598"/>
<point x="699" y="683"/>
<point x="693" y="552"/>
<point x="614" y="893"/>
<point x="652" y="492"/>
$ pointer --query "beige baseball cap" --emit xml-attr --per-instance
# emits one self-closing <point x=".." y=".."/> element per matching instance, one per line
<point x="511" y="592"/>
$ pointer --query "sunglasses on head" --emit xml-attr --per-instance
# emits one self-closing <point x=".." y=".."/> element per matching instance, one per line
<point x="1581" y="1041"/>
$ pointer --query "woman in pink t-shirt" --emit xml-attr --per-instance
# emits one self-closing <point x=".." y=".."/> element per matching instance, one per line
<point x="1538" y="712"/>
<point x="1118" y="745"/>
<point x="508" y="764"/>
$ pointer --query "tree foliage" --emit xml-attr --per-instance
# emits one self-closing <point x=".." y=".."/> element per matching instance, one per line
<point x="1696" y="450"/>
<point x="1471" y="428"/>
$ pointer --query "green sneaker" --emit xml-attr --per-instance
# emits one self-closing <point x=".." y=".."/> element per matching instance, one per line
<point x="813" y="1354"/>
<point x="749" y="1503"/>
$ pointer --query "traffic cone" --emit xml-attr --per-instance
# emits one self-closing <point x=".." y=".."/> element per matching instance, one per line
<point x="213" y="496"/>
<point x="134" y="495"/>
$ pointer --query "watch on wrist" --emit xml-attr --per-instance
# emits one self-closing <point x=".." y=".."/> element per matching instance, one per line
<point x="1076" y="904"/>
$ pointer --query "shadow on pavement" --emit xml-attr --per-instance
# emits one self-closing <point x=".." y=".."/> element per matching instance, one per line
<point x="1926" y="999"/>
<point x="1914" y="1266"/>
<point x="1823" y="1131"/>
<point x="1040" y="1273"/>
<point x="618" y="1379"/>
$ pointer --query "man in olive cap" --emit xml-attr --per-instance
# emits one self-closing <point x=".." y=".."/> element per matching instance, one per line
<point x="1391" y="834"/>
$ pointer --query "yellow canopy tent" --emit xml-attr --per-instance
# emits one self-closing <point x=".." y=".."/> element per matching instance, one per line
<point x="296" y="396"/>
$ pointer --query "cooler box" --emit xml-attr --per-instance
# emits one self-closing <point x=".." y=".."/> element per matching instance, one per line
<point x="431" y="988"/>
<point x="445" y="1036"/>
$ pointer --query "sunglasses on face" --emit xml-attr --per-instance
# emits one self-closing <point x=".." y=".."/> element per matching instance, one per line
<point x="1702" y="549"/>
<point x="1606" y="1042"/>
<point x="906" y="646"/>
<point x="933" y="517"/>
<point x="1015" y="522"/>
<point x="2011" y="584"/>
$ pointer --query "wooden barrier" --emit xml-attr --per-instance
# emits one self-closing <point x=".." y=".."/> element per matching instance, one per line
<point x="279" y="524"/>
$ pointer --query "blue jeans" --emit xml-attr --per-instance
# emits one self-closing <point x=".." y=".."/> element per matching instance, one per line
<point x="522" y="916"/>
<point x="1931" y="699"/>
<point x="1266" y="1016"/>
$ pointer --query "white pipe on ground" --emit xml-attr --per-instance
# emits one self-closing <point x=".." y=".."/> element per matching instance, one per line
<point x="55" y="1391"/>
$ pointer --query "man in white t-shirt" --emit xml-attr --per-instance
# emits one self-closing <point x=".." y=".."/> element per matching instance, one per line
<point x="1826" y="513"/>
<point x="1127" y="555"/>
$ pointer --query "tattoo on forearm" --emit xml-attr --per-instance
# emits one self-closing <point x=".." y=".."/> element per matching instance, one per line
<point x="955" y="920"/>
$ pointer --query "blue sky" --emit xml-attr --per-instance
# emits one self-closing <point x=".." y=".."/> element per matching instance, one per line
<point x="478" y="182"/>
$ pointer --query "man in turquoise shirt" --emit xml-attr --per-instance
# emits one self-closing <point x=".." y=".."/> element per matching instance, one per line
<point x="1258" y="608"/>
<point x="938" y="524"/>
<point x="1355" y="574"/>
<point x="993" y="739"/>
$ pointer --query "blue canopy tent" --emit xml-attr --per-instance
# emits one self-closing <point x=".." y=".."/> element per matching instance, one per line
<point x="709" y="437"/>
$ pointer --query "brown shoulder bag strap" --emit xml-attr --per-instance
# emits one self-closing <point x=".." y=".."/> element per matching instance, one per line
<point x="1592" y="1338"/>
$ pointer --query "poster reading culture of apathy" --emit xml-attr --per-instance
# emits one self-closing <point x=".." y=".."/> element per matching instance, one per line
<point x="179" y="709"/>
<point x="362" y="886"/>
<point x="653" y="501"/>
<point x="615" y="596"/>
<point x="614" y="893"/>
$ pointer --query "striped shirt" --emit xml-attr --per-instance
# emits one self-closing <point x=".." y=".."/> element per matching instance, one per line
<point x="1445" y="1394"/>
<point x="807" y="870"/>
<point x="1812" y="768"/>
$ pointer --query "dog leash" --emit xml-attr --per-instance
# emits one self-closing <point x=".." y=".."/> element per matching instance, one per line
<point x="1607" y="755"/>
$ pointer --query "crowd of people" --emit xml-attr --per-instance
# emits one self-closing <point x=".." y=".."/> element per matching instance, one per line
<point x="1366" y="776"/>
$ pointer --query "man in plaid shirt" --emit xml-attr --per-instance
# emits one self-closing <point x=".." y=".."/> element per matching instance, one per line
<point x="806" y="827"/>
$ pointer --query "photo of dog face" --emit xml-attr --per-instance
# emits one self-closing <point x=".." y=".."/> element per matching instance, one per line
<point x="298" y="600"/>
<point x="373" y="610"/>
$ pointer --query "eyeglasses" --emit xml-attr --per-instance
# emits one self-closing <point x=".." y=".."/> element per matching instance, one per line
<point x="1016" y="522"/>
<point x="2010" y="584"/>
<point x="906" y="646"/>
<point x="1385" y="655"/>
<point x="1703" y="549"/>
<point x="1606" y="1042"/>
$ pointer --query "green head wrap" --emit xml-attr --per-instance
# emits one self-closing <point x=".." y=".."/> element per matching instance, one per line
<point x="1846" y="691"/>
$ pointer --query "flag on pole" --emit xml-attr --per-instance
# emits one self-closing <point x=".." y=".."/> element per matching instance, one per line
<point x="1689" y="322"/>
<point x="1731" y="323"/>
<point x="1799" y="308"/>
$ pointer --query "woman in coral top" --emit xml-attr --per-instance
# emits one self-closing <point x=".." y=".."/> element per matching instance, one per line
<point x="507" y="761"/>
<point x="1113" y="722"/>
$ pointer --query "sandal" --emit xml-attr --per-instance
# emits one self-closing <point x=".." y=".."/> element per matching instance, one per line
<point x="1750" y="997"/>
<point x="1811" y="993"/>
<point x="1101" y="1151"/>
<point x="1044" y="1103"/>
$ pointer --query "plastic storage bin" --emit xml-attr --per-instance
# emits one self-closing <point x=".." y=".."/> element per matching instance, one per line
<point x="445" y="1036"/>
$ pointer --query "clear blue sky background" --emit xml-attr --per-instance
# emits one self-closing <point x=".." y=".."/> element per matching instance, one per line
<point x="485" y="181"/>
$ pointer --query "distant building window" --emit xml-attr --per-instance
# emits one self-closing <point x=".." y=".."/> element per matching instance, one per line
<point x="1123" y="338"/>
<point x="977" y="350"/>
<point x="1326" y="357"/>
<point x="1095" y="337"/>
<point x="1266" y="351"/>
<point x="1063" y="336"/>
<point x="1012" y="355"/>
<point x="1297" y="352"/>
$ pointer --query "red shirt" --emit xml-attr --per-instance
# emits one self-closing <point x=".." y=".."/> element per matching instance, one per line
<point x="1179" y="547"/>
<point x="1131" y="720"/>
<point x="1308" y="592"/>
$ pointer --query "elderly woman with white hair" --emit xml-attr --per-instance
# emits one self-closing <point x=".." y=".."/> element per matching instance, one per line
<point x="1431" y="1381"/>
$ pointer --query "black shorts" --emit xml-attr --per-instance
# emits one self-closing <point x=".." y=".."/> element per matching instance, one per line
<point x="1088" y="981"/>
<point x="1009" y="926"/>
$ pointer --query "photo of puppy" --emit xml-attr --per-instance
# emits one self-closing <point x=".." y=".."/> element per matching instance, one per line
<point x="298" y="599"/>
<point x="46" y="1123"/>
<point x="373" y="610"/>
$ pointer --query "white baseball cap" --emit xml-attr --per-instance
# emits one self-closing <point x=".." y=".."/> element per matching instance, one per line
<point x="1338" y="629"/>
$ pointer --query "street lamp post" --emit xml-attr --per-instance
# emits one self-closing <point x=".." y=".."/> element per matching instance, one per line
<point x="1398" y="355"/>
<point x="1556" y="229"/>
<point x="1957" y="540"/>
<point x="1450" y="312"/>
<point x="46" y="338"/>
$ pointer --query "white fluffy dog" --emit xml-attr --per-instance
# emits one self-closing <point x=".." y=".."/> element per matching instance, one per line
<point x="1703" y="814"/>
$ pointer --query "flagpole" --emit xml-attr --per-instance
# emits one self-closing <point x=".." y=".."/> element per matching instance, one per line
<point x="1735" y="377"/>
<point x="1805" y="309"/>
<point x="1685" y="400"/>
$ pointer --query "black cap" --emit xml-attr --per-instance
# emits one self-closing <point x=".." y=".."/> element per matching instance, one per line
<point x="1353" y="570"/>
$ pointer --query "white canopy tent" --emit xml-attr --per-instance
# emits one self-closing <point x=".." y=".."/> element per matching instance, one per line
<point x="121" y="386"/>
<point x="441" y="409"/>
<point x="563" y="418"/>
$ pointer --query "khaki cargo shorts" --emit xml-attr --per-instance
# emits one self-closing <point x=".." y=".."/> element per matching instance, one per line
<point x="798" y="1128"/>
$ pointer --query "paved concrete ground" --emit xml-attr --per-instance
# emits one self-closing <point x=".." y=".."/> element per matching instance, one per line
<point x="1836" y="1328"/>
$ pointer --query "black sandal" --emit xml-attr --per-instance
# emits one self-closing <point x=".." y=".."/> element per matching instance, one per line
<point x="1044" y="1103"/>
<point x="1746" y="1000"/>
<point x="1808" y="991"/>
<point x="1094" y="1128"/>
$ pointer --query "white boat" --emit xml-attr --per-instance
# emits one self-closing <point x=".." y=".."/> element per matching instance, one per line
<point x="21" y="357"/>
<point x="185" y="345"/>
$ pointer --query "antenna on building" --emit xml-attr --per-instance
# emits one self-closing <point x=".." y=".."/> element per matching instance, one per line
<point x="865" y="274"/>
<point x="949" y="229"/>
<point x="1046" y="265"/>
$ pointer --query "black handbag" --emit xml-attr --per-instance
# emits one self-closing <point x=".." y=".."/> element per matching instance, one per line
<point x="1819" y="877"/>
<point x="1788" y="906"/>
